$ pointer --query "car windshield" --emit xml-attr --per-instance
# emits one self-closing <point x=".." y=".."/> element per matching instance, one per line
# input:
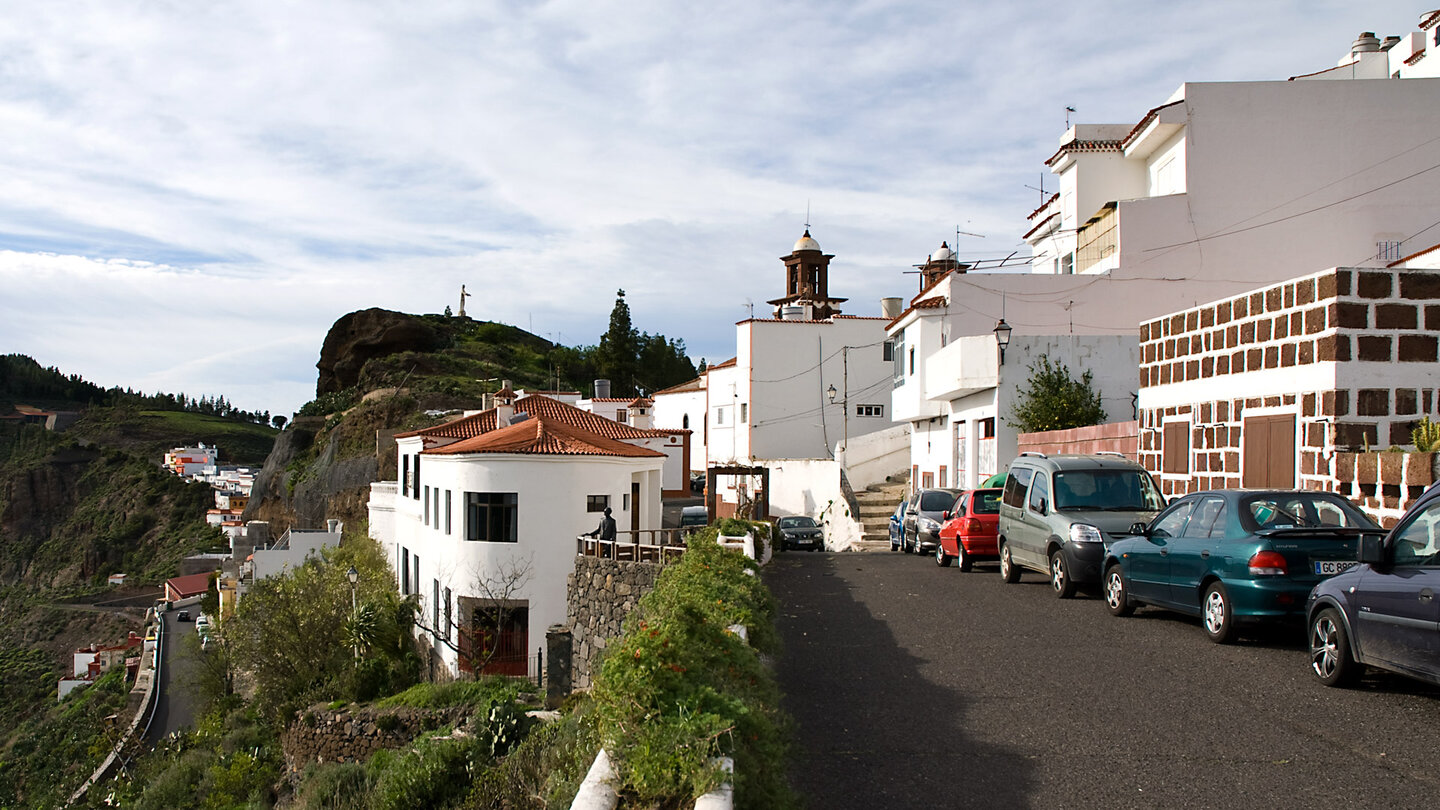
<point x="1300" y="510"/>
<point x="1107" y="491"/>
<point x="936" y="500"/>
<point x="987" y="502"/>
<point x="797" y="523"/>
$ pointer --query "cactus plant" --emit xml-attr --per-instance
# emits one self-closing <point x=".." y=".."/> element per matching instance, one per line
<point x="1426" y="435"/>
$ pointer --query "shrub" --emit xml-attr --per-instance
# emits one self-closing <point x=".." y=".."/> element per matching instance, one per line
<point x="334" y="786"/>
<point x="681" y="689"/>
<point x="546" y="768"/>
<point x="433" y="774"/>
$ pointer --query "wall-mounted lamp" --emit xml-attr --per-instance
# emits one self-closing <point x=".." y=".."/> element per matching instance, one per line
<point x="831" y="393"/>
<point x="1002" y="338"/>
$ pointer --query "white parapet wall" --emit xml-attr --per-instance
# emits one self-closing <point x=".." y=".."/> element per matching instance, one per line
<point x="812" y="487"/>
<point x="871" y="458"/>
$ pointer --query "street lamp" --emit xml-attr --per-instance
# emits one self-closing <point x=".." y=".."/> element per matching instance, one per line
<point x="831" y="392"/>
<point x="354" y="577"/>
<point x="1002" y="338"/>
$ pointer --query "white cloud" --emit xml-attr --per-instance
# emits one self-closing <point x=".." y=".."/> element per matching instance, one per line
<point x="190" y="194"/>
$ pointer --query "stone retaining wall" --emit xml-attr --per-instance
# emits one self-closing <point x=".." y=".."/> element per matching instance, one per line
<point x="600" y="594"/>
<point x="322" y="734"/>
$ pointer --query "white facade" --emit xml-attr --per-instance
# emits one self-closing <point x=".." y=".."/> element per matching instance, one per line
<point x="961" y="435"/>
<point x="683" y="407"/>
<point x="292" y="550"/>
<point x="773" y="403"/>
<point x="424" y="536"/>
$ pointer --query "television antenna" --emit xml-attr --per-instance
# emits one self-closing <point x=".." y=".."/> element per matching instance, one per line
<point x="1041" y="189"/>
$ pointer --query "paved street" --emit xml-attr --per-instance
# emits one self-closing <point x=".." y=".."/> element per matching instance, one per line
<point x="914" y="686"/>
<point x="175" y="709"/>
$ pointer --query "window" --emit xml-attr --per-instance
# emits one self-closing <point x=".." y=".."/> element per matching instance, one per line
<point x="987" y="428"/>
<point x="1209" y="519"/>
<point x="596" y="503"/>
<point x="620" y="416"/>
<point x="1387" y="251"/>
<point x="887" y="354"/>
<point x="744" y="412"/>
<point x="491" y="517"/>
<point x="415" y="482"/>
<point x="625" y="501"/>
<point x="899" y="358"/>
<point x="1067" y="264"/>
<point x="1417" y="544"/>
<point x="685" y="421"/>
<point x="1175" y="449"/>
<point x="435" y="608"/>
<point x="719" y="416"/>
<point x="912" y="360"/>
<point x="1040" y="495"/>
<point x="426" y="502"/>
<point x="942" y="477"/>
<point x="1172" y="523"/>
<point x="436" y="511"/>
<point x="405" y="571"/>
<point x="405" y="475"/>
<point x="869" y="410"/>
<point x="447" y="511"/>
<point x="1017" y="486"/>
<point x="927" y="480"/>
<point x="449" y="615"/>
<point x="415" y="570"/>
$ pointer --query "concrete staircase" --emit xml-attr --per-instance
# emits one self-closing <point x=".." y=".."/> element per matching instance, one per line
<point x="877" y="503"/>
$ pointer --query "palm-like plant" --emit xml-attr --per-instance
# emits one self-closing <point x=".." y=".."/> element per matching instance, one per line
<point x="1426" y="435"/>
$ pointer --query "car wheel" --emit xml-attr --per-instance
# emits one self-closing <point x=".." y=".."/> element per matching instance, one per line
<point x="1330" y="657"/>
<point x="1009" y="571"/>
<point x="1060" y="576"/>
<point x="1117" y="599"/>
<point x="967" y="563"/>
<point x="1217" y="615"/>
<point x="941" y="558"/>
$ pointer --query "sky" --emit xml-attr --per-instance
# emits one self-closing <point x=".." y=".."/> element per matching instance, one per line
<point x="192" y="193"/>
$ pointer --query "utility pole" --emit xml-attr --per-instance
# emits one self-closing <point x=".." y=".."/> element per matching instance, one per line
<point x="845" y="397"/>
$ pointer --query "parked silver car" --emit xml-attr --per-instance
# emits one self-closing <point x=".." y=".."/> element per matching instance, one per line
<point x="923" y="519"/>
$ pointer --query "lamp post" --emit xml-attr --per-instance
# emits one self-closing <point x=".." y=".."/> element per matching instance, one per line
<point x="844" y="398"/>
<point x="1002" y="338"/>
<point x="354" y="577"/>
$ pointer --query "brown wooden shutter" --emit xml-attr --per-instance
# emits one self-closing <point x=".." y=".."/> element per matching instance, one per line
<point x="1176" y="448"/>
<point x="1269" y="450"/>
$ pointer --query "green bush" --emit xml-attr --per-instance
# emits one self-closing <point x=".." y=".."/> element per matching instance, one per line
<point x="435" y="773"/>
<point x="681" y="689"/>
<point x="483" y="692"/>
<point x="545" y="769"/>
<point x="334" y="786"/>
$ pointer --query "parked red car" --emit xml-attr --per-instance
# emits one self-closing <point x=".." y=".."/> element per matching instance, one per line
<point x="971" y="528"/>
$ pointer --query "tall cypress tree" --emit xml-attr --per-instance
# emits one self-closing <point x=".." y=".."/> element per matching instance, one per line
<point x="618" y="351"/>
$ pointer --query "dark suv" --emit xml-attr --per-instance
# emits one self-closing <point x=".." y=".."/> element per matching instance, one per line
<point x="923" y="519"/>
<point x="1059" y="513"/>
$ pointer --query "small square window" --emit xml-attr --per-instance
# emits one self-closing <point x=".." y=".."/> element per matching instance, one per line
<point x="744" y="412"/>
<point x="596" y="503"/>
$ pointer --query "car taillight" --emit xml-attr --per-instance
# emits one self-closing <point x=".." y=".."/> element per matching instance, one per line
<point x="1267" y="563"/>
<point x="972" y="525"/>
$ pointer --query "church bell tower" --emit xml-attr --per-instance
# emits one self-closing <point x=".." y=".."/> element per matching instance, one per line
<point x="807" y="284"/>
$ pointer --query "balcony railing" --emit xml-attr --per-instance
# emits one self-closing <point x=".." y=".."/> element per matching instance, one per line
<point x="642" y="545"/>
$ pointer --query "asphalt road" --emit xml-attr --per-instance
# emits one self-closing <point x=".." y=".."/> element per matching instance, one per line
<point x="915" y="686"/>
<point x="176" y="707"/>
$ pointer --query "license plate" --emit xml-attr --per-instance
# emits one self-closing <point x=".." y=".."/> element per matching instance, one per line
<point x="1327" y="567"/>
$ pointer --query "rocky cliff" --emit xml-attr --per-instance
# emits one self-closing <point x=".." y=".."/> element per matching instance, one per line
<point x="365" y="335"/>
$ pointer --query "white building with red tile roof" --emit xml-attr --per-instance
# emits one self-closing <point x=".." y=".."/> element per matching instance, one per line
<point x="486" y="510"/>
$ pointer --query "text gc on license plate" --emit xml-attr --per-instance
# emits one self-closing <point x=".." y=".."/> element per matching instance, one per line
<point x="1327" y="567"/>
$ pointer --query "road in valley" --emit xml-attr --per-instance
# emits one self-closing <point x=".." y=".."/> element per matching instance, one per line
<point x="915" y="686"/>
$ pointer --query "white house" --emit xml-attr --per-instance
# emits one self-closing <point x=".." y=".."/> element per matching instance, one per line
<point x="684" y="406"/>
<point x="292" y="549"/>
<point x="1223" y="187"/>
<point x="482" y="522"/>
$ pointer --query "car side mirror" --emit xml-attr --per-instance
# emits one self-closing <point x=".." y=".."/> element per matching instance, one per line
<point x="1371" y="549"/>
<point x="1044" y="507"/>
<point x="1139" y="528"/>
<point x="944" y="516"/>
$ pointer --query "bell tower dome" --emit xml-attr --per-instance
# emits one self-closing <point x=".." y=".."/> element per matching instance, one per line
<point x="807" y="282"/>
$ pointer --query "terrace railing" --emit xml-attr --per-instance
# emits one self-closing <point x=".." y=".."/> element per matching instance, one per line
<point x="641" y="545"/>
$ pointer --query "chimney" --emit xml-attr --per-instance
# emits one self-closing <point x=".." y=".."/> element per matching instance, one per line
<point x="332" y="526"/>
<point x="1365" y="43"/>
<point x="504" y="405"/>
<point x="602" y="389"/>
<point x="891" y="307"/>
<point x="638" y="412"/>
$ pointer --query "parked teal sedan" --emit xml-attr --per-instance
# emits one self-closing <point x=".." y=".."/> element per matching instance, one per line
<point x="1233" y="556"/>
